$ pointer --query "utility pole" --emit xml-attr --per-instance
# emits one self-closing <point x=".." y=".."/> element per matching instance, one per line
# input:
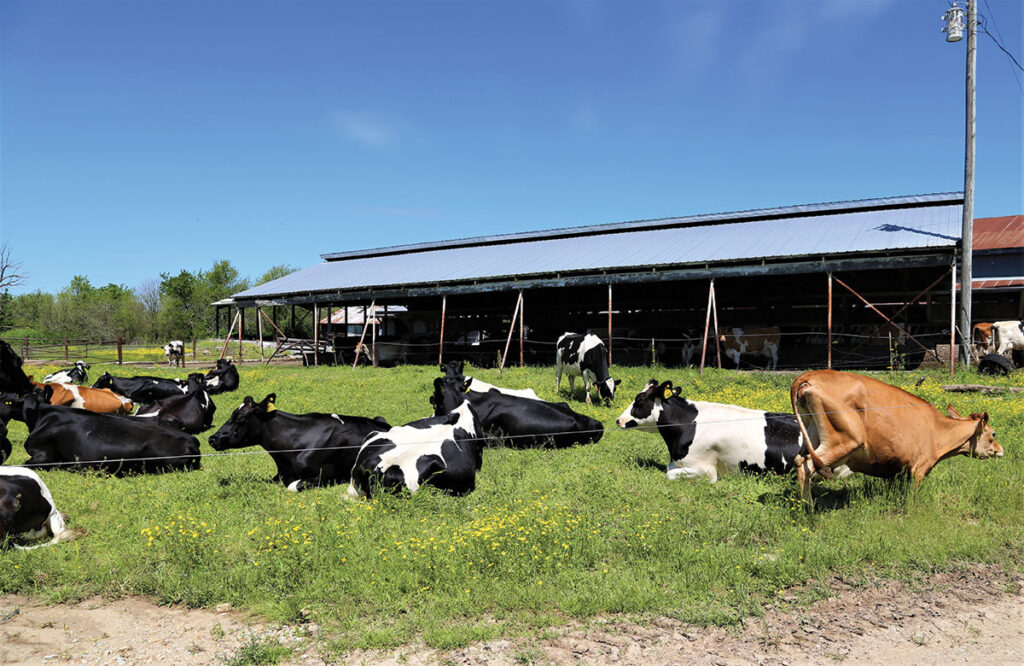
<point x="954" y="33"/>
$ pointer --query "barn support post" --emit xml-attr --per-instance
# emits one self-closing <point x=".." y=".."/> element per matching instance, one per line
<point x="373" y="334"/>
<point x="259" y="328"/>
<point x="952" y="319"/>
<point x="707" y="325"/>
<point x="278" y="342"/>
<point x="714" y="320"/>
<point x="511" y="329"/>
<point x="440" y="345"/>
<point x="119" y="357"/>
<point x="227" y="338"/>
<point x="609" y="324"/>
<point x="316" y="334"/>
<point x="366" y="322"/>
<point x="879" y="313"/>
<point x="241" y="325"/>
<point x="216" y="321"/>
<point x="829" y="337"/>
<point x="522" y="327"/>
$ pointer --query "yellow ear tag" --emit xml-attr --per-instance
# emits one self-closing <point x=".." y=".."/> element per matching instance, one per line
<point x="668" y="393"/>
<point x="271" y="408"/>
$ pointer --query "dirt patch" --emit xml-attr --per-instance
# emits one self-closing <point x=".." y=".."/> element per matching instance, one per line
<point x="972" y="616"/>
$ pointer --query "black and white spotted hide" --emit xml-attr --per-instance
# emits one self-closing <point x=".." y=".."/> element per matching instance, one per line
<point x="579" y="355"/>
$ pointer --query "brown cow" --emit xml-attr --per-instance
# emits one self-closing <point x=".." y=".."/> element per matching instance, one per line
<point x="878" y="429"/>
<point x="981" y="335"/>
<point x="763" y="341"/>
<point x="102" y="401"/>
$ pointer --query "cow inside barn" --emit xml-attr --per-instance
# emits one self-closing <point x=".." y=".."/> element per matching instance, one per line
<point x="66" y="438"/>
<point x="753" y="341"/>
<point x="441" y="451"/>
<point x="584" y="355"/>
<point x="223" y="378"/>
<point x="708" y="439"/>
<point x="28" y="515"/>
<point x="12" y="377"/>
<point x="518" y="422"/>
<point x="309" y="450"/>
<point x="75" y="375"/>
<point x="142" y="388"/>
<point x="192" y="412"/>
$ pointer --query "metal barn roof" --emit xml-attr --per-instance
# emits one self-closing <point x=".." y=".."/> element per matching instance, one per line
<point x="790" y="233"/>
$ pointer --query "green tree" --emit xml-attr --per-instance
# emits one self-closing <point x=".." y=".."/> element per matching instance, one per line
<point x="275" y="272"/>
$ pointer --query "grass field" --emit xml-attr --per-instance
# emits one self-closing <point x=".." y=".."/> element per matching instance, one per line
<point x="547" y="536"/>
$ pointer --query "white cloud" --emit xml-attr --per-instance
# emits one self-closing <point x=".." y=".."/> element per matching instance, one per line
<point x="367" y="129"/>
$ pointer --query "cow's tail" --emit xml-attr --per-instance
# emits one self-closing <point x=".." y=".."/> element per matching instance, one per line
<point x="798" y="396"/>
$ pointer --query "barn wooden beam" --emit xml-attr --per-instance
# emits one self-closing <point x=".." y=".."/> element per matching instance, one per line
<point x="366" y="322"/>
<point x="952" y="319"/>
<point x="440" y="345"/>
<point x="880" y="314"/>
<point x="829" y="337"/>
<point x="609" y="325"/>
<point x="259" y="328"/>
<point x="522" y="327"/>
<point x="511" y="329"/>
<point x="227" y="338"/>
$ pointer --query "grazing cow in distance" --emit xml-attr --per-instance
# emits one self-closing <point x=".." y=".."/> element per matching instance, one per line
<point x="519" y="422"/>
<point x="757" y="341"/>
<point x="28" y="515"/>
<point x="310" y="450"/>
<point x="75" y="375"/>
<point x="580" y="355"/>
<point x="879" y="430"/>
<point x="708" y="439"/>
<point x="12" y="377"/>
<point x="65" y="438"/>
<point x="101" y="401"/>
<point x="454" y="369"/>
<point x="192" y="412"/>
<point x="1008" y="336"/>
<point x="175" y="352"/>
<point x="141" y="388"/>
<point x="223" y="378"/>
<point x="441" y="451"/>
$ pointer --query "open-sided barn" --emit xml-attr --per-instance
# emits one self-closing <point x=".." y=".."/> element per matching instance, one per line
<point x="874" y="276"/>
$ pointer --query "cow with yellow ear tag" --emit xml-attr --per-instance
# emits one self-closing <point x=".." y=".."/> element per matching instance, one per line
<point x="707" y="439"/>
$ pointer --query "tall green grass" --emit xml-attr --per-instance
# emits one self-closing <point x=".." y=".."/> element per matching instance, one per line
<point x="547" y="535"/>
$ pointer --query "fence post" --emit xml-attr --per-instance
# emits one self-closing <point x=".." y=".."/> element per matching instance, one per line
<point x="66" y="349"/>
<point x="193" y="349"/>
<point x="24" y="354"/>
<point x="119" y="360"/>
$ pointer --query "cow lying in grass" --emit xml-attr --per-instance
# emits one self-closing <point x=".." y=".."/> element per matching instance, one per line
<point x="75" y="375"/>
<point x="101" y="401"/>
<point x="454" y="369"/>
<point x="518" y="422"/>
<point x="442" y="451"/>
<point x="708" y="439"/>
<point x="192" y="412"/>
<point x="223" y="378"/>
<point x="141" y="388"/>
<point x="310" y="450"/>
<point x="28" y="515"/>
<point x="66" y="438"/>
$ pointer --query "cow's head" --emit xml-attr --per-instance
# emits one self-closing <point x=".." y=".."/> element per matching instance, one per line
<point x="33" y="403"/>
<point x="982" y="443"/>
<point x="82" y="365"/>
<point x="10" y="407"/>
<point x="245" y="427"/>
<point x="449" y="393"/>
<point x="12" y="377"/>
<point x="606" y="389"/>
<point x="196" y="381"/>
<point x="645" y="410"/>
<point x="10" y="505"/>
<point x="106" y="380"/>
<point x="223" y="363"/>
<point x="452" y="368"/>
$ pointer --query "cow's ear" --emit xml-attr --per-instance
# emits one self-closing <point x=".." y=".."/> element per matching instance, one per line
<point x="676" y="391"/>
<point x="951" y="411"/>
<point x="652" y="382"/>
<point x="618" y="381"/>
<point x="47" y="392"/>
<point x="268" y="403"/>
<point x="466" y="384"/>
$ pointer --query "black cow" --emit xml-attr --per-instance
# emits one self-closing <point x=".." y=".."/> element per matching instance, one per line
<point x="223" y="378"/>
<point x="710" y="438"/>
<point x="192" y="412"/>
<point x="442" y="451"/>
<point x="68" y="438"/>
<point x="520" y="422"/>
<point x="142" y="389"/>
<point x="454" y="369"/>
<point x="5" y="444"/>
<point x="309" y="450"/>
<point x="28" y="514"/>
<point x="580" y="355"/>
<point x="12" y="377"/>
<point x="75" y="375"/>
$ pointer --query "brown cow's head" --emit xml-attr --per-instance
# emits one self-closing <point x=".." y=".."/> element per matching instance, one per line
<point x="982" y="443"/>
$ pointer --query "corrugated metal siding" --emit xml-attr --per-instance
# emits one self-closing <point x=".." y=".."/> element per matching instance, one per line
<point x="814" y="235"/>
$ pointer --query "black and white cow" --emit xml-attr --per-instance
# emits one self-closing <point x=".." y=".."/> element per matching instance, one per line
<point x="28" y="515"/>
<point x="68" y="438"/>
<point x="442" y="451"/>
<point x="584" y="355"/>
<point x="223" y="378"/>
<point x="175" y="352"/>
<point x="12" y="377"/>
<point x="192" y="412"/>
<point x="309" y="450"/>
<point x="454" y="369"/>
<point x="707" y="439"/>
<point x="142" y="389"/>
<point x="519" y="422"/>
<point x="75" y="375"/>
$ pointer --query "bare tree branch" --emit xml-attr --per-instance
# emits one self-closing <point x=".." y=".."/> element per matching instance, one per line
<point x="11" y="272"/>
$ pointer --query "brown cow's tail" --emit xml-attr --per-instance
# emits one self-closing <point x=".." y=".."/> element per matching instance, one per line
<point x="796" y="394"/>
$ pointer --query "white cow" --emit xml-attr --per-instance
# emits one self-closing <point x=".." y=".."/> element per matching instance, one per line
<point x="1008" y="336"/>
<point x="175" y="352"/>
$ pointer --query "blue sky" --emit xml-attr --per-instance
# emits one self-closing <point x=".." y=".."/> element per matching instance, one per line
<point x="145" y="137"/>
